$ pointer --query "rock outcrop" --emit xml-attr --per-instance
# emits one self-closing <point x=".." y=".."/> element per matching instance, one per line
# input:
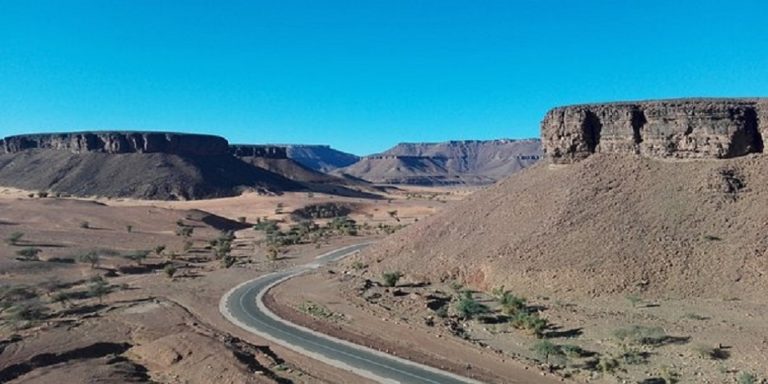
<point x="119" y="142"/>
<point x="682" y="128"/>
<point x="253" y="150"/>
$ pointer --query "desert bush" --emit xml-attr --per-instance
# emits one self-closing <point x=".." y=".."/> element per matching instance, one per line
<point x="708" y="352"/>
<point x="607" y="365"/>
<point x="98" y="287"/>
<point x="242" y="219"/>
<point x="634" y="300"/>
<point x="572" y="351"/>
<point x="548" y="352"/>
<point x="641" y="335"/>
<point x="531" y="322"/>
<point x="511" y="304"/>
<point x="85" y="225"/>
<point x="14" y="238"/>
<point x="129" y="228"/>
<point x="747" y="378"/>
<point x="91" y="258"/>
<point x="467" y="307"/>
<point x="159" y="250"/>
<point x="669" y="375"/>
<point x="169" y="270"/>
<point x="42" y="194"/>
<point x="390" y="279"/>
<point x="27" y="311"/>
<point x="12" y="294"/>
<point x="29" y="254"/>
<point x="267" y="226"/>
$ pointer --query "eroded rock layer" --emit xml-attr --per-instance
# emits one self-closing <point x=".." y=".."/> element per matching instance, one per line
<point x="682" y="128"/>
<point x="253" y="150"/>
<point x="119" y="142"/>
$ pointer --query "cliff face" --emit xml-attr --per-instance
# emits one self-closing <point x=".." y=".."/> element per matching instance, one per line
<point x="266" y="151"/>
<point x="119" y="142"/>
<point x="685" y="128"/>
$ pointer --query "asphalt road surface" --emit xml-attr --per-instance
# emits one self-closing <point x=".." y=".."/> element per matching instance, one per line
<point x="243" y="306"/>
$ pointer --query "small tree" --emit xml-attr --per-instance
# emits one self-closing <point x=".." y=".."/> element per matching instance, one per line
<point x="169" y="270"/>
<point x="546" y="351"/>
<point x="14" y="238"/>
<point x="391" y="278"/>
<point x="98" y="287"/>
<point x="159" y="250"/>
<point x="91" y="258"/>
<point x="27" y="311"/>
<point x="511" y="304"/>
<point x="29" y="253"/>
<point x="393" y="214"/>
<point x="129" y="228"/>
<point x="468" y="307"/>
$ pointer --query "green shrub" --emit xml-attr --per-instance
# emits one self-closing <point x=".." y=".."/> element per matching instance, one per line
<point x="467" y="307"/>
<point x="91" y="258"/>
<point x="641" y="335"/>
<point x="390" y="279"/>
<point x="29" y="254"/>
<point x="98" y="287"/>
<point x="169" y="270"/>
<point x="547" y="351"/>
<point x="531" y="322"/>
<point x="511" y="304"/>
<point x="747" y="378"/>
<point x="14" y="238"/>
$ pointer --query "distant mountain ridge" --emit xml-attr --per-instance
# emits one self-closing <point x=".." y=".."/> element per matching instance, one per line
<point x="447" y="163"/>
<point x="321" y="158"/>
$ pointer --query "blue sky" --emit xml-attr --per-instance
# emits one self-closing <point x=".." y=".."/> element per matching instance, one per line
<point x="362" y="75"/>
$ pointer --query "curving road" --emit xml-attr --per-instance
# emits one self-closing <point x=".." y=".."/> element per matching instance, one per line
<point x="243" y="306"/>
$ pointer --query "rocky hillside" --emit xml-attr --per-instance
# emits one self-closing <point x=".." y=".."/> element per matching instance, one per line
<point x="145" y="165"/>
<point x="321" y="158"/>
<point x="613" y="222"/>
<point x="449" y="163"/>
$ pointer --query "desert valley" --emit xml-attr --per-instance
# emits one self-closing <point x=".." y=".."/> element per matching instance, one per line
<point x="627" y="245"/>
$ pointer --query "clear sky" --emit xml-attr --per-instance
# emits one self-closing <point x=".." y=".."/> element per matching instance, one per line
<point x="362" y="75"/>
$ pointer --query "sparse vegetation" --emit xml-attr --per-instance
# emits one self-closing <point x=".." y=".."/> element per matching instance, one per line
<point x="511" y="304"/>
<point x="358" y="265"/>
<point x="14" y="238"/>
<point x="169" y="270"/>
<point x="634" y="300"/>
<point x="467" y="307"/>
<point x="185" y="231"/>
<point x="91" y="258"/>
<point x="85" y="225"/>
<point x="747" y="378"/>
<point x="129" y="228"/>
<point x="98" y="287"/>
<point x="29" y="254"/>
<point x="321" y="211"/>
<point x="548" y="351"/>
<point x="159" y="250"/>
<point x="641" y="335"/>
<point x="530" y="321"/>
<point x="390" y="279"/>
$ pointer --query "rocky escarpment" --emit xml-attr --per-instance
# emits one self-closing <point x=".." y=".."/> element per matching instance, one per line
<point x="253" y="150"/>
<point x="144" y="165"/>
<point x="683" y="128"/>
<point x="119" y="142"/>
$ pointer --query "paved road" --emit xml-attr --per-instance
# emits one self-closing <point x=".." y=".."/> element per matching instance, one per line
<point x="243" y="306"/>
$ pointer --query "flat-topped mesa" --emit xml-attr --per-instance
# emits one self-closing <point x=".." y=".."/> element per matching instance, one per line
<point x="254" y="150"/>
<point x="119" y="142"/>
<point x="680" y="128"/>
